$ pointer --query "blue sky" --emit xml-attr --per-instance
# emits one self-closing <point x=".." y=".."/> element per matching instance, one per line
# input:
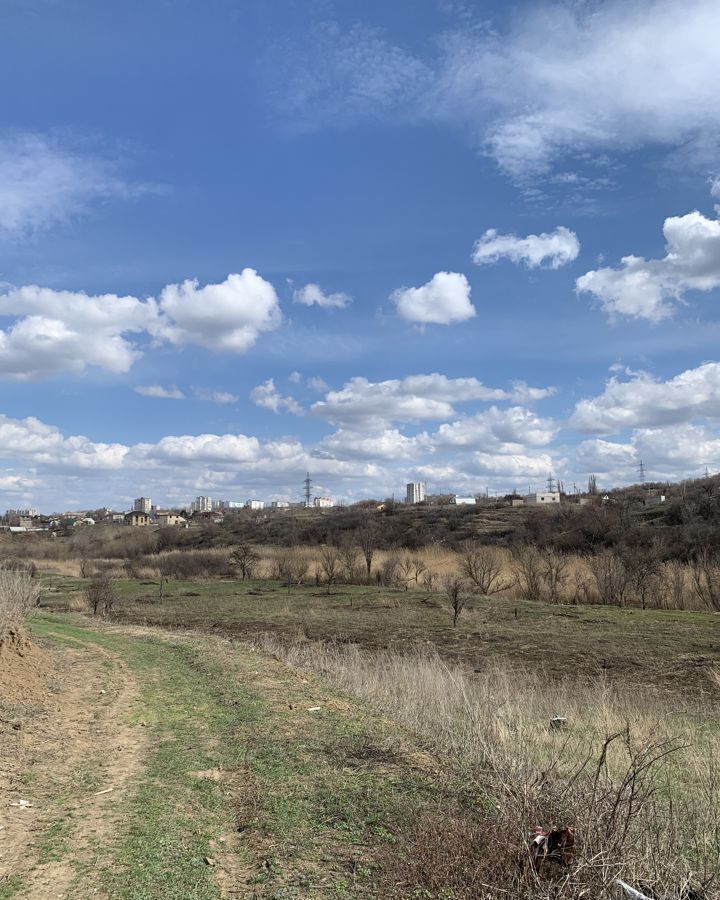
<point x="468" y="243"/>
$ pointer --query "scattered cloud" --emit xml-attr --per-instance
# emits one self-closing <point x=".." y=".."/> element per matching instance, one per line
<point x="221" y="397"/>
<point x="335" y="76"/>
<point x="561" y="81"/>
<point x="66" y="331"/>
<point x="388" y="444"/>
<point x="44" y="182"/>
<point x="514" y="466"/>
<point x="651" y="288"/>
<point x="313" y="295"/>
<point x="416" y="398"/>
<point x="557" y="248"/>
<point x="267" y="396"/>
<point x="228" y="316"/>
<point x="295" y="377"/>
<point x="445" y="299"/>
<point x="495" y="427"/>
<point x="645" y="401"/>
<point x="157" y="390"/>
<point x="317" y="384"/>
<point x="715" y="191"/>
<point x="568" y="80"/>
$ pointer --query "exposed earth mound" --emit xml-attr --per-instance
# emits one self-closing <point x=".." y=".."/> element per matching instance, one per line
<point x="24" y="669"/>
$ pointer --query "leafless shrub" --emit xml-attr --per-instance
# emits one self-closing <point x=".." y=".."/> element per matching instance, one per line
<point x="246" y="558"/>
<point x="611" y="577"/>
<point x="429" y="580"/>
<point x="482" y="565"/>
<point x="350" y="561"/>
<point x="528" y="571"/>
<point x="672" y="576"/>
<point x="19" y="594"/>
<point x="291" y="566"/>
<point x="418" y="567"/>
<point x="554" y="572"/>
<point x="642" y="565"/>
<point x="330" y="564"/>
<point x="581" y="587"/>
<point x="705" y="576"/>
<point x="456" y="590"/>
<point x="640" y="801"/>
<point x="192" y="564"/>
<point x="404" y="571"/>
<point x="388" y="571"/>
<point x="100" y="594"/>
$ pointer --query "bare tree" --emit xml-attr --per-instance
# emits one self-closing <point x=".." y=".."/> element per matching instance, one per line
<point x="367" y="541"/>
<point x="705" y="576"/>
<point x="100" y="594"/>
<point x="672" y="578"/>
<point x="291" y="566"/>
<point x="554" y="569"/>
<point x="330" y="564"/>
<point x="581" y="585"/>
<point x="429" y="579"/>
<point x="455" y="589"/>
<point x="419" y="567"/>
<point x="245" y="558"/>
<point x="404" y="572"/>
<point x="482" y="565"/>
<point x="350" y="556"/>
<point x="388" y="574"/>
<point x="643" y="569"/>
<point x="527" y="566"/>
<point x="592" y="485"/>
<point x="611" y="577"/>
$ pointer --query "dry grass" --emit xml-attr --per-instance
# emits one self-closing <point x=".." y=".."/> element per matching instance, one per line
<point x="634" y="774"/>
<point x="428" y="566"/>
<point x="19" y="594"/>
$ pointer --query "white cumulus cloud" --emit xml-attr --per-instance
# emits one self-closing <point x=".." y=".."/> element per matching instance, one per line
<point x="227" y="316"/>
<point x="313" y="295"/>
<point x="415" y="398"/>
<point x="645" y="401"/>
<point x="651" y="288"/>
<point x="443" y="300"/>
<point x="267" y="396"/>
<point x="66" y="331"/>
<point x="556" y="248"/>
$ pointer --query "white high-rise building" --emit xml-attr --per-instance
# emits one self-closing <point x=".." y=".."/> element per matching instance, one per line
<point x="415" y="491"/>
<point x="142" y="505"/>
<point x="202" y="504"/>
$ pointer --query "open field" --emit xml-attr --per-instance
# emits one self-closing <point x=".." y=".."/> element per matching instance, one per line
<point x="199" y="723"/>
<point x="665" y="650"/>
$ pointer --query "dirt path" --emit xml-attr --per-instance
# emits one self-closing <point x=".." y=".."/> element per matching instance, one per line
<point x="65" y="759"/>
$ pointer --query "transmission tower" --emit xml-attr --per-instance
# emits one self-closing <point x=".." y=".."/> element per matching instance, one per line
<point x="308" y="485"/>
<point x="641" y="472"/>
<point x="550" y="483"/>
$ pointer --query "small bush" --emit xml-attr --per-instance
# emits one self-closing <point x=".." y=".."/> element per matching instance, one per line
<point x="19" y="594"/>
<point x="100" y="594"/>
